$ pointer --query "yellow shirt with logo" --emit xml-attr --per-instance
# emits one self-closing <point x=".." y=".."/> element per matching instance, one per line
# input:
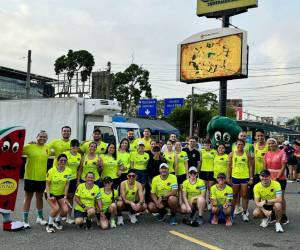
<point x="221" y="196"/>
<point x="146" y="142"/>
<point x="267" y="193"/>
<point x="140" y="161"/>
<point x="36" y="163"/>
<point x="170" y="159"/>
<point x="108" y="199"/>
<point x="131" y="194"/>
<point x="182" y="158"/>
<point x="162" y="187"/>
<point x="259" y="158"/>
<point x="101" y="148"/>
<point x="133" y="145"/>
<point x="207" y="160"/>
<point x="88" y="197"/>
<point x="110" y="167"/>
<point x="90" y="166"/>
<point x="58" y="180"/>
<point x="220" y="164"/>
<point x="73" y="163"/>
<point x="59" y="146"/>
<point x="193" y="190"/>
<point x="124" y="159"/>
<point x="240" y="168"/>
<point x="248" y="148"/>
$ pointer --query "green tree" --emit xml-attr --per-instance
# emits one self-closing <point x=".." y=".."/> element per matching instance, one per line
<point x="180" y="118"/>
<point x="73" y="62"/>
<point x="129" y="86"/>
<point x="205" y="101"/>
<point x="293" y="121"/>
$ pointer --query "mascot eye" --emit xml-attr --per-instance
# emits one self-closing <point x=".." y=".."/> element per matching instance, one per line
<point x="218" y="136"/>
<point x="6" y="146"/>
<point x="226" y="137"/>
<point x="15" y="147"/>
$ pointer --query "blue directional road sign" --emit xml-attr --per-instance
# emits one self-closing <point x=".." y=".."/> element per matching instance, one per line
<point x="171" y="103"/>
<point x="147" y="107"/>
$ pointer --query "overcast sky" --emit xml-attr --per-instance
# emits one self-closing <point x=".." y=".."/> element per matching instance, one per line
<point x="147" y="33"/>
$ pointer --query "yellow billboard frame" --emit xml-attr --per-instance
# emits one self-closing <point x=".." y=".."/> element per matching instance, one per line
<point x="217" y="8"/>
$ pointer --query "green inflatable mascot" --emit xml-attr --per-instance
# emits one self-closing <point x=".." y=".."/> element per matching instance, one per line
<point x="223" y="130"/>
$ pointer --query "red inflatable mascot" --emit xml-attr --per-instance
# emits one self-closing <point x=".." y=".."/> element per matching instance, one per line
<point x="11" y="147"/>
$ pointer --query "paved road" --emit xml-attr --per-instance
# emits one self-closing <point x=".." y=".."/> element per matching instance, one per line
<point x="149" y="234"/>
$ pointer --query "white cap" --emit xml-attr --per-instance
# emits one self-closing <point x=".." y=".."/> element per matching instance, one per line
<point x="193" y="169"/>
<point x="286" y="143"/>
<point x="141" y="143"/>
<point x="163" y="165"/>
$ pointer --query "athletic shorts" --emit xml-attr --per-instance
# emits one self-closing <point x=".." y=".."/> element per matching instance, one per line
<point x="181" y="179"/>
<point x="79" y="214"/>
<point x="97" y="182"/>
<point x="237" y="181"/>
<point x="57" y="197"/>
<point x="269" y="207"/>
<point x="141" y="176"/>
<point x="221" y="215"/>
<point x="282" y="184"/>
<point x="207" y="175"/>
<point x="32" y="186"/>
<point x="292" y="161"/>
<point x="72" y="186"/>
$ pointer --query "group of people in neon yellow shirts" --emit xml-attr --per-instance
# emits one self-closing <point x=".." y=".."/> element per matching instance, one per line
<point x="104" y="180"/>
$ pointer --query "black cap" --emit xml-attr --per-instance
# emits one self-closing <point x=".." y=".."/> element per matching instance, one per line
<point x="221" y="175"/>
<point x="265" y="172"/>
<point x="107" y="179"/>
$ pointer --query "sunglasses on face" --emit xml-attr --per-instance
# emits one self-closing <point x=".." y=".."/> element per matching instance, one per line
<point x="131" y="176"/>
<point x="221" y="178"/>
<point x="193" y="173"/>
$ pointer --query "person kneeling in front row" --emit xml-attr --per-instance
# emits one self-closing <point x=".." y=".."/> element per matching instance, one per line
<point x="164" y="190"/>
<point x="221" y="196"/>
<point x="268" y="200"/>
<point x="193" y="195"/>
<point x="87" y="197"/>
<point x="133" y="199"/>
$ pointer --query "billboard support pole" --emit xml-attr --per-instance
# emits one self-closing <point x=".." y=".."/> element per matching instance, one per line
<point x="192" y="113"/>
<point x="223" y="83"/>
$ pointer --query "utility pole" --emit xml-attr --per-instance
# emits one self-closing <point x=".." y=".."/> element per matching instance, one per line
<point x="223" y="83"/>
<point x="28" y="74"/>
<point x="192" y="113"/>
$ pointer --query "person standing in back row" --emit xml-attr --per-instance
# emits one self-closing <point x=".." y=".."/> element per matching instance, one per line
<point x="146" y="139"/>
<point x="35" y="176"/>
<point x="58" y="146"/>
<point x="97" y="138"/>
<point x="193" y="153"/>
<point x="172" y="140"/>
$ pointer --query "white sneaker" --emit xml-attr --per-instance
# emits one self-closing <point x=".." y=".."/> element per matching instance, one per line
<point x="132" y="218"/>
<point x="41" y="221"/>
<point x="70" y="221"/>
<point x="238" y="210"/>
<point x="50" y="229"/>
<point x="120" y="221"/>
<point x="209" y="207"/>
<point x="265" y="222"/>
<point x="245" y="217"/>
<point x="57" y="225"/>
<point x="278" y="228"/>
<point x="26" y="225"/>
<point x="112" y="223"/>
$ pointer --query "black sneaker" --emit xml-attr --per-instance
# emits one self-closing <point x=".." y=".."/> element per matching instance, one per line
<point x="88" y="223"/>
<point x="284" y="220"/>
<point x="162" y="215"/>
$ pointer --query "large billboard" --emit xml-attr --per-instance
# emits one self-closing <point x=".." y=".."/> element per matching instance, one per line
<point x="218" y="54"/>
<point x="218" y="8"/>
